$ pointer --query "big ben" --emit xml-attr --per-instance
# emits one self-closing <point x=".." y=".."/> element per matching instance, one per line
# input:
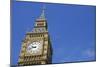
<point x="36" y="47"/>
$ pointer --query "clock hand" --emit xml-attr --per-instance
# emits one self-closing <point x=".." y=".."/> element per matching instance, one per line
<point x="33" y="46"/>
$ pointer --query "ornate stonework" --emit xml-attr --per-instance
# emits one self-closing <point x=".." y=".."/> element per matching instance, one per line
<point x="36" y="47"/>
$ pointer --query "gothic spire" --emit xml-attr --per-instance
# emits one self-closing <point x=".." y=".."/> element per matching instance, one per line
<point x="42" y="16"/>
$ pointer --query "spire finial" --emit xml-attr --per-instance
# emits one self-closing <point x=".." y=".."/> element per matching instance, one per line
<point x="42" y="16"/>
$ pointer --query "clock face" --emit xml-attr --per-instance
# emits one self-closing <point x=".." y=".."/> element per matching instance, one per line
<point x="35" y="48"/>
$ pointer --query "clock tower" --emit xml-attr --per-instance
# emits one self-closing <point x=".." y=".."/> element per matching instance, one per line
<point x="36" y="47"/>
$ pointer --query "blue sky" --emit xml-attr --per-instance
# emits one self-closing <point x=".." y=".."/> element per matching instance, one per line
<point x="71" y="28"/>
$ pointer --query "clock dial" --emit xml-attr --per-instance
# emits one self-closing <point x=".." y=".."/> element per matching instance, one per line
<point x="35" y="48"/>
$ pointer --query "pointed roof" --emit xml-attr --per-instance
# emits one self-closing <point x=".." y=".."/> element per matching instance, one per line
<point x="42" y="16"/>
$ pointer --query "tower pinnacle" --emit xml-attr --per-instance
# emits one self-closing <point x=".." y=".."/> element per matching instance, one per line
<point x="42" y="16"/>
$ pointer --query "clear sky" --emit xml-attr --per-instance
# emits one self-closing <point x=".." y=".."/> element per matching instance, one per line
<point x="71" y="28"/>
